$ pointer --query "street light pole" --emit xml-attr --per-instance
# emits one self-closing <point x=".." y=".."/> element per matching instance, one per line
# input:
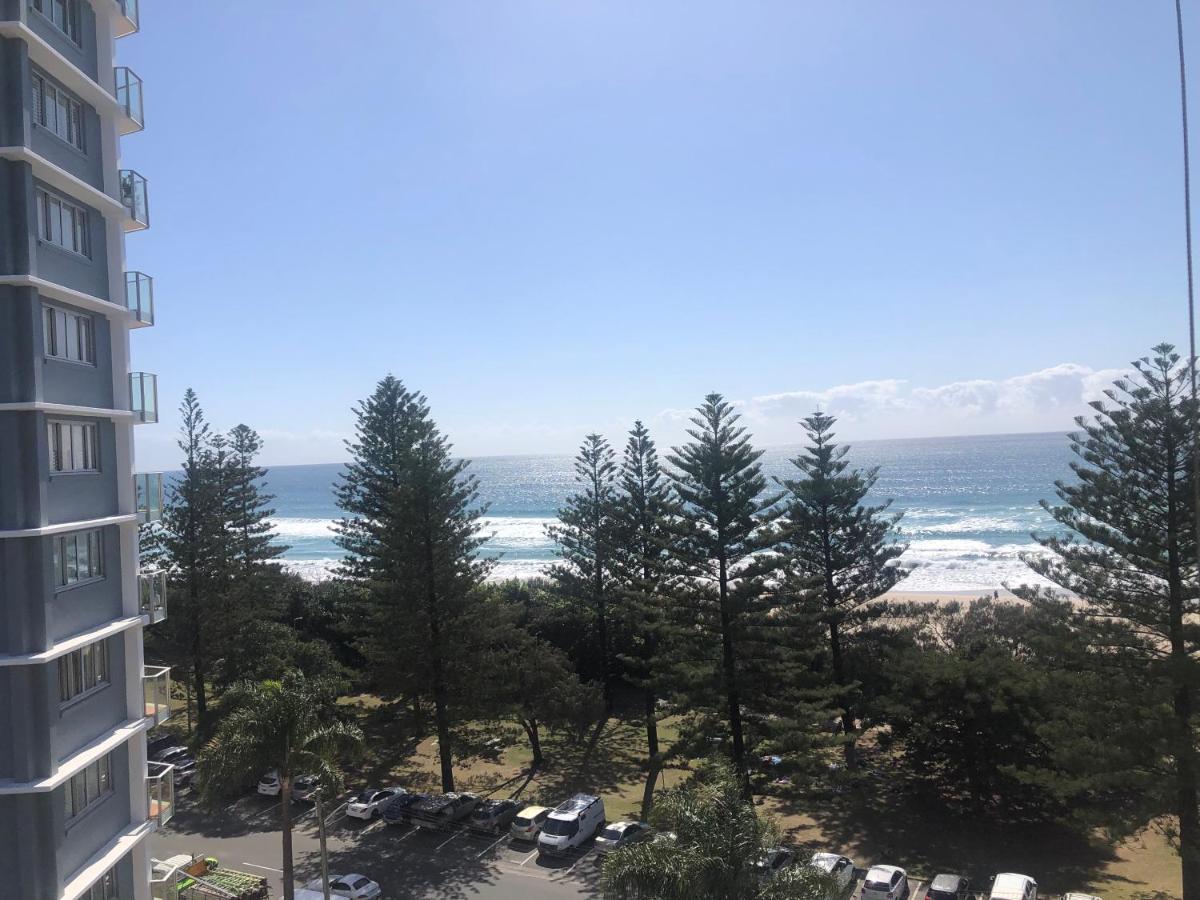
<point x="324" y="852"/>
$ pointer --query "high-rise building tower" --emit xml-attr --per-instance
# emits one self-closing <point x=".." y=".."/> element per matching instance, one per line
<point x="78" y="797"/>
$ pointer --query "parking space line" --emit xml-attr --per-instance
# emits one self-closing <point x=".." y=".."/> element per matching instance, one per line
<point x="529" y="857"/>
<point x="492" y="846"/>
<point x="457" y="834"/>
<point x="264" y="868"/>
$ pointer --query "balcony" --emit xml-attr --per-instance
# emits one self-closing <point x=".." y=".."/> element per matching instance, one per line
<point x="149" y="486"/>
<point x="143" y="396"/>
<point x="134" y="197"/>
<point x="129" y="21"/>
<point x="160" y="792"/>
<point x="156" y="688"/>
<point x="152" y="587"/>
<point x="164" y="881"/>
<point x="139" y="296"/>
<point x="128" y="90"/>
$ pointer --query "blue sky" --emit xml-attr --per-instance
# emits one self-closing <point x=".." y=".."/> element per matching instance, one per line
<point x="554" y="217"/>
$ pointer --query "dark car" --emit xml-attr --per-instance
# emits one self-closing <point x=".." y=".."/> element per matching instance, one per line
<point x="400" y="810"/>
<point x="948" y="887"/>
<point x="493" y="815"/>
<point x="181" y="758"/>
<point x="441" y="810"/>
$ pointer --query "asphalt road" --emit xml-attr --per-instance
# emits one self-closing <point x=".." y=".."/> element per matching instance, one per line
<point x="407" y="862"/>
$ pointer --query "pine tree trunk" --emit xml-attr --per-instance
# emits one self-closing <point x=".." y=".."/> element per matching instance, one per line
<point x="285" y="819"/>
<point x="839" y="676"/>
<point x="602" y="628"/>
<point x="729" y="666"/>
<point x="440" y="712"/>
<point x="653" y="758"/>
<point x="201" y="698"/>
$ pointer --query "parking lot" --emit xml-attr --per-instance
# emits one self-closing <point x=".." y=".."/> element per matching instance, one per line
<point x="407" y="861"/>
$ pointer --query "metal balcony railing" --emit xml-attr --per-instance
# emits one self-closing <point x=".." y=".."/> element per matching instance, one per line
<point x="152" y="587"/>
<point x="149" y="487"/>
<point x="128" y="91"/>
<point x="129" y="12"/>
<point x="160" y="792"/>
<point x="143" y="396"/>
<point x="139" y="296"/>
<point x="156" y="688"/>
<point x="135" y="198"/>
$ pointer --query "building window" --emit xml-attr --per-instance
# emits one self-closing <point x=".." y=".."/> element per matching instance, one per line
<point x="62" y="223"/>
<point x="73" y="447"/>
<point x="82" y="671"/>
<point x="68" y="335"/>
<point x="57" y="111"/>
<point x="78" y="557"/>
<point x="104" y="889"/>
<point x="87" y="788"/>
<point x="63" y="13"/>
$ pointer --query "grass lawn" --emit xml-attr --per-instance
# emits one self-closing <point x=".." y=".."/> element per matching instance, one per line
<point x="870" y="823"/>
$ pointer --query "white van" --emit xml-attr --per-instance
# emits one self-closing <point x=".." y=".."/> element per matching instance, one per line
<point x="571" y="824"/>
<point x="1011" y="886"/>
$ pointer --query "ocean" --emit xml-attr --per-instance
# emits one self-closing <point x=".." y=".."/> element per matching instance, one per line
<point x="969" y="504"/>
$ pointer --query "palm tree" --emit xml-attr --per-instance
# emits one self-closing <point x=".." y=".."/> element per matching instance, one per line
<point x="287" y="725"/>
<point x="718" y="841"/>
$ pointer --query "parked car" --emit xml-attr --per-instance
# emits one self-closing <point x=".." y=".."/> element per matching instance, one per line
<point x="621" y="834"/>
<point x="768" y="866"/>
<point x="355" y="886"/>
<point x="571" y="824"/>
<point x="181" y="758"/>
<point x="398" y="810"/>
<point x="528" y="823"/>
<point x="269" y="785"/>
<point x="949" y="887"/>
<point x="493" y="815"/>
<point x="885" y="883"/>
<point x="1012" y="886"/>
<point x="440" y="810"/>
<point x="1075" y="895"/>
<point x="305" y="787"/>
<point x="838" y="868"/>
<point x="369" y="803"/>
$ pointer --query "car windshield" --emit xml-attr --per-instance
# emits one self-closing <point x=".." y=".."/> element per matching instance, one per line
<point x="877" y="886"/>
<point x="560" y="827"/>
<point x="610" y="833"/>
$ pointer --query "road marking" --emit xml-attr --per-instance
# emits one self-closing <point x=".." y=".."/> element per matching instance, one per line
<point x="529" y="857"/>
<point x="263" y="812"/>
<point x="490" y="847"/>
<point x="374" y="826"/>
<point x="264" y="868"/>
<point x="457" y="834"/>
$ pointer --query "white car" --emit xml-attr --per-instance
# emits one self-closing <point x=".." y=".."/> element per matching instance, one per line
<point x="269" y="785"/>
<point x="571" y="825"/>
<point x="839" y="868"/>
<point x="354" y="886"/>
<point x="1075" y="895"/>
<point x="528" y="823"/>
<point x="885" y="883"/>
<point x="369" y="803"/>
<point x="1011" y="886"/>
<point x="621" y="834"/>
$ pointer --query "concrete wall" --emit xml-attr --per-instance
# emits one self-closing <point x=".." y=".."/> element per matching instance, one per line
<point x="95" y="715"/>
<point x="86" y="274"/>
<point x="77" y="496"/>
<point x="83" y="54"/>
<point x="87" y="164"/>
<point x="76" y="383"/>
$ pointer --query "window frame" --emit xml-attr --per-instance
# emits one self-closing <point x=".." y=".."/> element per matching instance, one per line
<point x="64" y="556"/>
<point x="83" y="672"/>
<point x="101" y="771"/>
<point x="50" y="102"/>
<point x="61" y="437"/>
<point x="106" y="884"/>
<point x="54" y="208"/>
<point x="70" y="26"/>
<point x="57" y="332"/>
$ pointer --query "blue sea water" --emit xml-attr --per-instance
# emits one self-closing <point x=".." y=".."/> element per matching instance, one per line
<point x="969" y="506"/>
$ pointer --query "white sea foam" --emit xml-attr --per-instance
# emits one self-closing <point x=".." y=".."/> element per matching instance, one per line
<point x="290" y="529"/>
<point x="966" y="565"/>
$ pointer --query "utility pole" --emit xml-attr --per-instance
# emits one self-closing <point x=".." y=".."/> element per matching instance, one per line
<point x="324" y="852"/>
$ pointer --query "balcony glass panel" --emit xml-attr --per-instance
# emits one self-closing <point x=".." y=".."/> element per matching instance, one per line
<point x="152" y="587"/>
<point x="149" y="487"/>
<point x="139" y="296"/>
<point x="129" y="9"/>
<point x="129" y="95"/>
<point x="160" y="792"/>
<point x="143" y="396"/>
<point x="156" y="687"/>
<point x="164" y="882"/>
<point x="135" y="197"/>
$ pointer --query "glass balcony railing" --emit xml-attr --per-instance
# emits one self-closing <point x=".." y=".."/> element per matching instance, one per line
<point x="152" y="587"/>
<point x="149" y="486"/>
<point x="135" y="198"/>
<point x="160" y="792"/>
<point x="156" y="688"/>
<point x="129" y="12"/>
<point x="128" y="88"/>
<point x="139" y="296"/>
<point x="143" y="396"/>
<point x="164" y="881"/>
